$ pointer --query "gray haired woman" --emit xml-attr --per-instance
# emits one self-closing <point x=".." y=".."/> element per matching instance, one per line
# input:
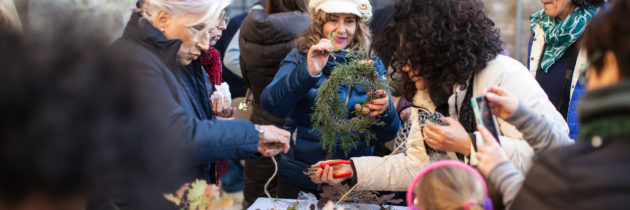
<point x="163" y="41"/>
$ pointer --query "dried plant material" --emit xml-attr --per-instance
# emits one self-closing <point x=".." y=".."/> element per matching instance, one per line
<point x="199" y="195"/>
<point x="294" y="207"/>
<point x="172" y="199"/>
<point x="332" y="193"/>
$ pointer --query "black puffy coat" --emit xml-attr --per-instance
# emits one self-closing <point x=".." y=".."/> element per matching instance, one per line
<point x="593" y="173"/>
<point x="265" y="40"/>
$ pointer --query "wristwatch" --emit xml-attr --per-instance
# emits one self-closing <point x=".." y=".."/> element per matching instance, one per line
<point x="260" y="131"/>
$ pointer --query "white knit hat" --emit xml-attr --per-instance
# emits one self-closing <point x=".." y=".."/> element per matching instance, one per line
<point x="360" y="8"/>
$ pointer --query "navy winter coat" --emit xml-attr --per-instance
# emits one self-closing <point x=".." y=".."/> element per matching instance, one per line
<point x="552" y="82"/>
<point x="292" y="93"/>
<point x="162" y="79"/>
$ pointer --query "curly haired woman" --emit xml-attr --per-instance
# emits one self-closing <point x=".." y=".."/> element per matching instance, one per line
<point x="294" y="88"/>
<point x="452" y="56"/>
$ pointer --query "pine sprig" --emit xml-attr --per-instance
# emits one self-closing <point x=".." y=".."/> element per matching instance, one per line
<point x="331" y="117"/>
<point x="331" y="37"/>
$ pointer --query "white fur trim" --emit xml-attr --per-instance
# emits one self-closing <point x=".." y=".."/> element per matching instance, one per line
<point x="538" y="45"/>
<point x="580" y="64"/>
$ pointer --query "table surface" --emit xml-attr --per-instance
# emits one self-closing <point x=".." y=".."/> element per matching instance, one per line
<point x="263" y="203"/>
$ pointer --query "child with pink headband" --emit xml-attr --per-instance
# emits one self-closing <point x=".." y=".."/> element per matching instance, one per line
<point x="448" y="184"/>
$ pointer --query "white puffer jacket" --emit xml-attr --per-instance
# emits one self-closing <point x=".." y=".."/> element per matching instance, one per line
<point x="395" y="172"/>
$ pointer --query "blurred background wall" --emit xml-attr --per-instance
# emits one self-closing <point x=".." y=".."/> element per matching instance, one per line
<point x="505" y="14"/>
<point x="103" y="18"/>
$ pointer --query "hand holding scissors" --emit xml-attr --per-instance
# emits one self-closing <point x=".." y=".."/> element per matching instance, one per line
<point x="331" y="171"/>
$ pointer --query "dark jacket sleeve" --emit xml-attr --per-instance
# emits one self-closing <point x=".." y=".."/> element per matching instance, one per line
<point x="291" y="83"/>
<point x="545" y="184"/>
<point x="211" y="140"/>
<point x="387" y="131"/>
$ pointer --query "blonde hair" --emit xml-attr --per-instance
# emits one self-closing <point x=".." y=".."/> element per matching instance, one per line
<point x="9" y="18"/>
<point x="361" y="40"/>
<point x="210" y="8"/>
<point x="449" y="188"/>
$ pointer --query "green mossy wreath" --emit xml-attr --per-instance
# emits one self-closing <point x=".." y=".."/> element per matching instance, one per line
<point x="331" y="116"/>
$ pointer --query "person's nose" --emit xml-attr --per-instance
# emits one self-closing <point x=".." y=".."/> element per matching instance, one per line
<point x="341" y="28"/>
<point x="222" y="25"/>
<point x="406" y="68"/>
<point x="204" y="44"/>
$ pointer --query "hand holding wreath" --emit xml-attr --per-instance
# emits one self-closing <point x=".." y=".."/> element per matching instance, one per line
<point x="379" y="105"/>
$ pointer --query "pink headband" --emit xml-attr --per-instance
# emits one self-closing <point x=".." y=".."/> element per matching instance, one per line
<point x="468" y="204"/>
<point x="437" y="165"/>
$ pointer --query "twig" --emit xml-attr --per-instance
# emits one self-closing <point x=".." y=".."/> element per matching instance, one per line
<point x="349" y="95"/>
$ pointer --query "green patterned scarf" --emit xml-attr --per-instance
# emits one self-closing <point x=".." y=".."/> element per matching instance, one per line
<point x="559" y="35"/>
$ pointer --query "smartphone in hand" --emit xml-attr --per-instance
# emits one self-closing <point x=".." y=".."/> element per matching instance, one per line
<point x="484" y="116"/>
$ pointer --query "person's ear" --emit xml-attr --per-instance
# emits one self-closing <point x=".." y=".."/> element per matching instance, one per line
<point x="610" y="72"/>
<point x="608" y="75"/>
<point x="162" y="19"/>
<point x="611" y="67"/>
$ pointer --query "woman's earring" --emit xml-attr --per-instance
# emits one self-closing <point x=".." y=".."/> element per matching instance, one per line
<point x="162" y="29"/>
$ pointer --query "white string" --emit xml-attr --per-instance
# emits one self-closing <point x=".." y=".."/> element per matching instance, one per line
<point x="275" y="165"/>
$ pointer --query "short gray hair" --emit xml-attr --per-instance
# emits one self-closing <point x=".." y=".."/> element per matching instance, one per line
<point x="210" y="8"/>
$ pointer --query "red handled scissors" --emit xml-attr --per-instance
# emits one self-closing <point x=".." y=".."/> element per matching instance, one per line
<point x="312" y="171"/>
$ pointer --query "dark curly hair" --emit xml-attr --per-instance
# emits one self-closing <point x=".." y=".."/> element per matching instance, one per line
<point x="444" y="41"/>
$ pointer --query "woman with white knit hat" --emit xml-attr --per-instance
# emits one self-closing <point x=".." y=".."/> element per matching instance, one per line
<point x="293" y="90"/>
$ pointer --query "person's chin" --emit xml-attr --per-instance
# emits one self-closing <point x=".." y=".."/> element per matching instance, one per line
<point x="549" y="10"/>
<point x="184" y="62"/>
<point x="341" y="46"/>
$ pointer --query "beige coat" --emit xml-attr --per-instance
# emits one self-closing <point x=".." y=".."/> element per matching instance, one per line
<point x="395" y="172"/>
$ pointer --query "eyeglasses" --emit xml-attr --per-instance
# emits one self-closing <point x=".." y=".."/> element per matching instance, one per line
<point x="584" y="71"/>
<point x="226" y="20"/>
<point x="204" y="34"/>
<point x="199" y="35"/>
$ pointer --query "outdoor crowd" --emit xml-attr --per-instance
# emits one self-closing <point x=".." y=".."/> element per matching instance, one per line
<point x="91" y="124"/>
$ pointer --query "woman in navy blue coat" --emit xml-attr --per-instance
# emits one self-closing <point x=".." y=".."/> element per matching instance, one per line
<point x="292" y="92"/>
<point x="162" y="43"/>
